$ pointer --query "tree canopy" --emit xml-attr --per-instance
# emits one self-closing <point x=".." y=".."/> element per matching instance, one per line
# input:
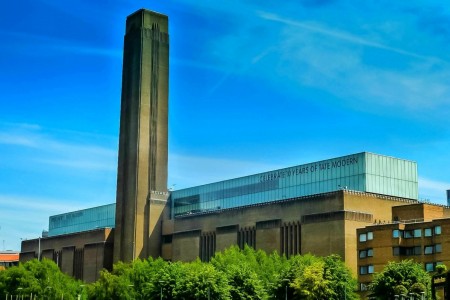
<point x="231" y="274"/>
<point x="397" y="278"/>
<point x="41" y="278"/>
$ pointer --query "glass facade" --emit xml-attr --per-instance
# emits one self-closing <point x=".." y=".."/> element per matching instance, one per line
<point x="365" y="172"/>
<point x="391" y="176"/>
<point x="83" y="220"/>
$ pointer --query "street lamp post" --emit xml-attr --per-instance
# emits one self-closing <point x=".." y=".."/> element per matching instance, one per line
<point x="45" y="291"/>
<point x="82" y="290"/>
<point x="161" y="288"/>
<point x="132" y="287"/>
<point x="286" y="281"/>
<point x="19" y="292"/>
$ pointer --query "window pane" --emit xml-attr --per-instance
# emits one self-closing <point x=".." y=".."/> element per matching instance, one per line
<point x="395" y="233"/>
<point x="428" y="232"/>
<point x="437" y="230"/>
<point x="429" y="267"/>
<point x="408" y="234"/>
<point x="370" y="269"/>
<point x="370" y="236"/>
<point x="362" y="254"/>
<point x="417" y="232"/>
<point x="409" y="251"/>
<point x="395" y="251"/>
<point x="417" y="250"/>
<point x="363" y="270"/>
<point x="438" y="248"/>
<point x="370" y="252"/>
<point x="428" y="250"/>
<point x="362" y="237"/>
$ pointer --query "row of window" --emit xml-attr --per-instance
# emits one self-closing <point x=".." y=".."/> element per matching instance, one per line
<point x="407" y="234"/>
<point x="363" y="237"/>
<point x="369" y="269"/>
<point x="414" y="250"/>
<point x="363" y="270"/>
<point x="430" y="249"/>
<point x="417" y="250"/>
<point x="366" y="253"/>
<point x="8" y="264"/>
<point x="416" y="233"/>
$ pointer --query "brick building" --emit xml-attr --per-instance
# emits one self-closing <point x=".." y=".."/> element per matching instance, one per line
<point x="420" y="232"/>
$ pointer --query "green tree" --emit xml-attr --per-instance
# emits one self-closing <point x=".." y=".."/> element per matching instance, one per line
<point x="313" y="277"/>
<point x="397" y="277"/>
<point x="38" y="278"/>
<point x="164" y="279"/>
<point x="440" y="269"/>
<point x="231" y="274"/>
<point x="294" y="266"/>
<point x="340" y="277"/>
<point x="242" y="269"/>
<point x="313" y="283"/>
<point x="201" y="281"/>
<point x="113" y="285"/>
<point x="275" y="273"/>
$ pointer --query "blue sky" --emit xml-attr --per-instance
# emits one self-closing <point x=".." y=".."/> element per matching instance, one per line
<point x="254" y="86"/>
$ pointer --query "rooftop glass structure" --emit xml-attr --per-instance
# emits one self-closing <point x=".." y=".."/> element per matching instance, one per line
<point x="83" y="220"/>
<point x="365" y="172"/>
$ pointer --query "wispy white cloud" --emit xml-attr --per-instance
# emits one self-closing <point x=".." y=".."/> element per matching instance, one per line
<point x="48" y="44"/>
<point x="32" y="217"/>
<point x="55" y="150"/>
<point x="427" y="183"/>
<point x="80" y="163"/>
<point x="368" y="64"/>
<point x="342" y="67"/>
<point x="90" y="50"/>
<point x="433" y="190"/>
<point x="37" y="205"/>
<point x="343" y="36"/>
<point x="18" y="140"/>
<point x="186" y="171"/>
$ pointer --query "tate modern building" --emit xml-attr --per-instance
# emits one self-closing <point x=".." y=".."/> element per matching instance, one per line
<point x="315" y="207"/>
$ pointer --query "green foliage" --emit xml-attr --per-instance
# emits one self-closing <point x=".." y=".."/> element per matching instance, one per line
<point x="165" y="276"/>
<point x="41" y="278"/>
<point x="151" y="279"/>
<point x="440" y="269"/>
<point x="313" y="283"/>
<point x="243" y="270"/>
<point x="400" y="290"/>
<point x="231" y="274"/>
<point x="115" y="285"/>
<point x="341" y="279"/>
<point x="402" y="277"/>
<point x="322" y="278"/>
<point x="201" y="281"/>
